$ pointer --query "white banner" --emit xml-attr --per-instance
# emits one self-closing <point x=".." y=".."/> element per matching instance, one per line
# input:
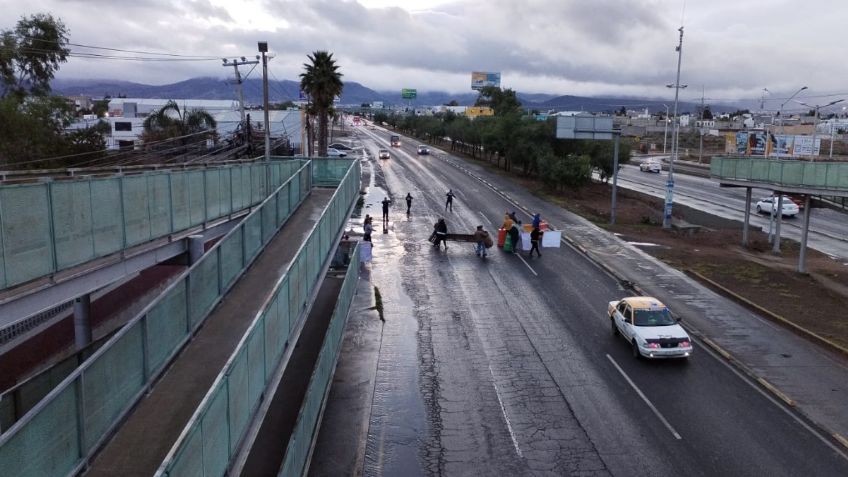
<point x="551" y="238"/>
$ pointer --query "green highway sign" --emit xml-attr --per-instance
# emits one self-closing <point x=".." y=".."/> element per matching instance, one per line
<point x="407" y="93"/>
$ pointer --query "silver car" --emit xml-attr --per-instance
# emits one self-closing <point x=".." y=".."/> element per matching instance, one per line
<point x="767" y="204"/>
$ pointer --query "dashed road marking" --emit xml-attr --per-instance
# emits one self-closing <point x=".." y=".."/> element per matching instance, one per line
<point x="645" y="398"/>
<point x="525" y="263"/>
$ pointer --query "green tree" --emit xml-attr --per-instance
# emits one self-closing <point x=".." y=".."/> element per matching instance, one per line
<point x="184" y="127"/>
<point x="32" y="130"/>
<point x="100" y="107"/>
<point x="322" y="82"/>
<point x="502" y="101"/>
<point x="31" y="54"/>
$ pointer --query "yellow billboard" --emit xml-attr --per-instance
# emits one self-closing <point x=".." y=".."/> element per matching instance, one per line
<point x="474" y="111"/>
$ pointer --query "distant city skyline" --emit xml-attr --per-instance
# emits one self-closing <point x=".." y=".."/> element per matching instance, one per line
<point x="733" y="49"/>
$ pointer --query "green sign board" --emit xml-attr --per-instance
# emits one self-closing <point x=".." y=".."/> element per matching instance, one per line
<point x="407" y="93"/>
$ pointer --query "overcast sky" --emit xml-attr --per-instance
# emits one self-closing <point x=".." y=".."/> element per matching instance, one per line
<point x="733" y="48"/>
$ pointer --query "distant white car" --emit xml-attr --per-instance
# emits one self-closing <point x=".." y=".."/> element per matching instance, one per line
<point x="423" y="150"/>
<point x="649" y="328"/>
<point x="767" y="204"/>
<point x="650" y="165"/>
<point x="333" y="152"/>
<point x="384" y="154"/>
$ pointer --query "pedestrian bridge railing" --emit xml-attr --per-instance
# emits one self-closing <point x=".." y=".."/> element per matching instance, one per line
<point x="60" y="434"/>
<point x="52" y="226"/>
<point x="827" y="177"/>
<point x="215" y="431"/>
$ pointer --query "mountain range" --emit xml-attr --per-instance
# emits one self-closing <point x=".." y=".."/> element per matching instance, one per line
<point x="353" y="94"/>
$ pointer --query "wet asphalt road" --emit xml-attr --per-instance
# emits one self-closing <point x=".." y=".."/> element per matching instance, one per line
<point x="500" y="367"/>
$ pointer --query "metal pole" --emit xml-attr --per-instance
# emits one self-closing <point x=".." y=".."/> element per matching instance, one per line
<point x="665" y="135"/>
<point x="263" y="48"/>
<point x="614" y="176"/>
<point x="779" y="216"/>
<point x="82" y="321"/>
<point x="802" y="255"/>
<point x="832" y="137"/>
<point x="815" y="134"/>
<point x="747" y="222"/>
<point x="669" y="196"/>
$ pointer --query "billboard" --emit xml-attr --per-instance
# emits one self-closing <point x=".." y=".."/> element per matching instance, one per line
<point x="480" y="79"/>
<point x="772" y="145"/>
<point x="408" y="93"/>
<point x="474" y="111"/>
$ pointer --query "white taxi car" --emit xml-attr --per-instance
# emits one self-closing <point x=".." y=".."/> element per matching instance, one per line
<point x="650" y="165"/>
<point x="650" y="329"/>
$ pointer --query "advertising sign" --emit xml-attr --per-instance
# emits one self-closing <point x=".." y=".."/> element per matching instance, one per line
<point x="480" y="80"/>
<point x="782" y="145"/>
<point x="757" y="143"/>
<point x="742" y="143"/>
<point x="408" y="93"/>
<point x="804" y="146"/>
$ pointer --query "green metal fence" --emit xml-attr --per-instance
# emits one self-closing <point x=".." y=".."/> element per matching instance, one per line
<point x="51" y="226"/>
<point x="297" y="451"/>
<point x="59" y="435"/>
<point x="215" y="431"/>
<point x="814" y="175"/>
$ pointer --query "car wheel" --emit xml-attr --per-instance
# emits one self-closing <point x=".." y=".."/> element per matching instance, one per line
<point x="635" y="348"/>
<point x="614" y="328"/>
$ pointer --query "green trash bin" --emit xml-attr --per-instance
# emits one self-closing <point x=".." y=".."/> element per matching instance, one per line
<point x="507" y="244"/>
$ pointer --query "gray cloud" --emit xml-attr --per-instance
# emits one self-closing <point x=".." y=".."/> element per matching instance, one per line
<point x="733" y="48"/>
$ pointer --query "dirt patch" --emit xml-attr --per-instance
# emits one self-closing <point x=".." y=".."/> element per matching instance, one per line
<point x="813" y="301"/>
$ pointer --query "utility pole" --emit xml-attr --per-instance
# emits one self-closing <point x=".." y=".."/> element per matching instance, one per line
<point x="238" y="81"/>
<point x="701" y="128"/>
<point x="263" y="48"/>
<point x="669" y="194"/>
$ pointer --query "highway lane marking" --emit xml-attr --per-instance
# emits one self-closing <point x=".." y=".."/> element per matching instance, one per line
<point x="503" y="411"/>
<point x="645" y="398"/>
<point x="525" y="263"/>
<point x="780" y="405"/>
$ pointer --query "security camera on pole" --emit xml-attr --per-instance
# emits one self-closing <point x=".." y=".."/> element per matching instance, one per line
<point x="669" y="194"/>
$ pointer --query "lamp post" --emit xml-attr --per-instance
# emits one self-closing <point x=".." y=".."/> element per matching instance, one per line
<point x="669" y="191"/>
<point x="780" y="112"/>
<point x="263" y="48"/>
<point x="816" y="120"/>
<point x="665" y="135"/>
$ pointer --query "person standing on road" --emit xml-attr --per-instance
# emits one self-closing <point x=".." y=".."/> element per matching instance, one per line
<point x="480" y="236"/>
<point x="535" y="238"/>
<point x="537" y="220"/>
<point x="367" y="229"/>
<point x="449" y="201"/>
<point x="515" y="237"/>
<point x="386" y="203"/>
<point x="408" y="202"/>
<point x="440" y="230"/>
<point x="507" y="223"/>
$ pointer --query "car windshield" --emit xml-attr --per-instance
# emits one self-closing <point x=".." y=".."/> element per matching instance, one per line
<point x="653" y="317"/>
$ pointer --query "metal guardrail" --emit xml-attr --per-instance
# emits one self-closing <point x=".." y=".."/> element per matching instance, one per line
<point x="823" y="176"/>
<point x="223" y="417"/>
<point x="52" y="226"/>
<point x="59" y="435"/>
<point x="305" y="428"/>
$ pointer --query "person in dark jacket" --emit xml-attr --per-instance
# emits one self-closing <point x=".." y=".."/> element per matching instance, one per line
<point x="535" y="238"/>
<point x="386" y="202"/>
<point x="449" y="201"/>
<point x="515" y="237"/>
<point x="480" y="237"/>
<point x="537" y="221"/>
<point x="408" y="202"/>
<point x="441" y="231"/>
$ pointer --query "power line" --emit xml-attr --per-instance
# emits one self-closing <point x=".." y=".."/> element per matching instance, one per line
<point x="120" y="50"/>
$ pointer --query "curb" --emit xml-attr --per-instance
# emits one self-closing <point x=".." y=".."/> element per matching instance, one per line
<point x="807" y="333"/>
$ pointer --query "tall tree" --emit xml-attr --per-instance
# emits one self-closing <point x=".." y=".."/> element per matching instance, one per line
<point x="31" y="54"/>
<point x="184" y="126"/>
<point x="322" y="82"/>
<point x="502" y="101"/>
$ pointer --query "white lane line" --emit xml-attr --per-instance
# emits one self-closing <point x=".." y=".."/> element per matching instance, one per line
<point x="503" y="411"/>
<point x="525" y="263"/>
<point x="645" y="398"/>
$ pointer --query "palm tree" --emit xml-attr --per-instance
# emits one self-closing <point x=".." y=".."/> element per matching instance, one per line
<point x="322" y="82"/>
<point x="182" y="126"/>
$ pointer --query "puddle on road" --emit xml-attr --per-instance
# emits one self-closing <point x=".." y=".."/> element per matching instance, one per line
<point x="398" y="418"/>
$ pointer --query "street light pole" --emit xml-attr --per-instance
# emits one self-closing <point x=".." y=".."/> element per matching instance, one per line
<point x="665" y="120"/>
<point x="780" y="112"/>
<point x="669" y="194"/>
<point x="263" y="48"/>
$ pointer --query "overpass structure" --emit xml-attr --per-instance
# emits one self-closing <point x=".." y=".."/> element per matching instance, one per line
<point x="185" y="385"/>
<point x="782" y="176"/>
